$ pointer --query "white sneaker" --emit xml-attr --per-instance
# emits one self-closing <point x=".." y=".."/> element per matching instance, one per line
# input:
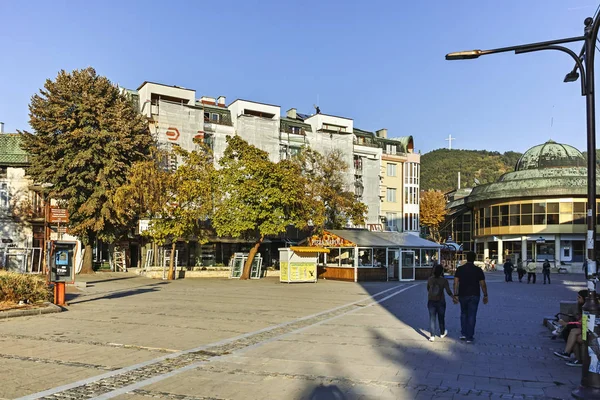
<point x="432" y="338"/>
<point x="443" y="335"/>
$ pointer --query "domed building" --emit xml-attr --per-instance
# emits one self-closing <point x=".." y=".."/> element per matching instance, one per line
<point x="536" y="212"/>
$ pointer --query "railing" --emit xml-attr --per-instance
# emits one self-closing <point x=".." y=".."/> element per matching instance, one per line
<point x="221" y="121"/>
<point x="366" y="144"/>
<point x="290" y="131"/>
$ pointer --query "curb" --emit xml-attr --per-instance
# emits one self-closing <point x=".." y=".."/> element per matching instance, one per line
<point x="48" y="309"/>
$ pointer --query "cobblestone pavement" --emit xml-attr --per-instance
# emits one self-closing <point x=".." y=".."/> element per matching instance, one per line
<point x="133" y="338"/>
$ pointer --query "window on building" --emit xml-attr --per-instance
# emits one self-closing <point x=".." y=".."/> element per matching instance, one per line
<point x="391" y="195"/>
<point x="406" y="194"/>
<point x="391" y="169"/>
<point x="214" y="117"/>
<point x="4" y="198"/>
<point x="406" y="222"/>
<point x="3" y="172"/>
<point x="207" y="116"/>
<point x="391" y="221"/>
<point x="390" y="149"/>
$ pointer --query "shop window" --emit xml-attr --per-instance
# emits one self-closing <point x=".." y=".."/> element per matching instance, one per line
<point x="539" y="208"/>
<point x="552" y="219"/>
<point x="495" y="216"/>
<point x="504" y="215"/>
<point x="579" y="207"/>
<point x="4" y="201"/>
<point x="566" y="208"/>
<point x="566" y="219"/>
<point x="365" y="257"/>
<point x="552" y="208"/>
<point x="515" y="209"/>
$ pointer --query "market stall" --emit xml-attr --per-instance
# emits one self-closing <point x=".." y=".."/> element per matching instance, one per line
<point x="299" y="263"/>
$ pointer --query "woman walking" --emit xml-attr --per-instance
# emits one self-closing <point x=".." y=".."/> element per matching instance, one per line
<point x="436" y="301"/>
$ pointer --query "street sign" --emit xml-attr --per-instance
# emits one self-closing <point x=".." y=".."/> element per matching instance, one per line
<point x="58" y="215"/>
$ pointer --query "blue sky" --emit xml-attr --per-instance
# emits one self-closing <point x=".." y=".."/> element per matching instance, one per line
<point x="378" y="62"/>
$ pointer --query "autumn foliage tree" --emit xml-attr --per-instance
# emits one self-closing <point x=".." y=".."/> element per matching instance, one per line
<point x="432" y="212"/>
<point x="326" y="184"/>
<point x="178" y="204"/>
<point x="255" y="197"/>
<point x="87" y="134"/>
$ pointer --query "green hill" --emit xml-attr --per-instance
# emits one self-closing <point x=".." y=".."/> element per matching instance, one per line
<point x="439" y="168"/>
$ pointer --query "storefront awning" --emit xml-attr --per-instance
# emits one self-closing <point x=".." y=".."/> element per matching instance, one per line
<point x="308" y="249"/>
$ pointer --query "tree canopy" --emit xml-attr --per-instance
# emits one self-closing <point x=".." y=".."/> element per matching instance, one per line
<point x="326" y="182"/>
<point x="255" y="197"/>
<point x="432" y="212"/>
<point x="87" y="136"/>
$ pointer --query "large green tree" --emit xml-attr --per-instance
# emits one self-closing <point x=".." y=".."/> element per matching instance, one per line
<point x="326" y="176"/>
<point x="87" y="136"/>
<point x="255" y="197"/>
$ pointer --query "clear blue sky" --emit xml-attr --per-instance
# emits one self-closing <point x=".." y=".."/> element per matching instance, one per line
<point x="378" y="62"/>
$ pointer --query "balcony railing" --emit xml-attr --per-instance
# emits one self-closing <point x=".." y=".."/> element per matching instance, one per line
<point x="291" y="131"/>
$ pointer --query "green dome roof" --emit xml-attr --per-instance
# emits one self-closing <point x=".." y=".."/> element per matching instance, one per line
<point x="550" y="155"/>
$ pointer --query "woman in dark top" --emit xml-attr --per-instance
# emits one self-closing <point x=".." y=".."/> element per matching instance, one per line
<point x="436" y="301"/>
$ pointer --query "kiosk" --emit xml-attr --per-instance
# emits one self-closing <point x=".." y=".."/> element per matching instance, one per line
<point x="299" y="263"/>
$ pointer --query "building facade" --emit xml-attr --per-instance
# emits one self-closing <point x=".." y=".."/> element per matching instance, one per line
<point x="536" y="212"/>
<point x="384" y="172"/>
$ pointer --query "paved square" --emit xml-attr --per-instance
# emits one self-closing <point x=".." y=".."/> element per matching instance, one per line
<point x="130" y="337"/>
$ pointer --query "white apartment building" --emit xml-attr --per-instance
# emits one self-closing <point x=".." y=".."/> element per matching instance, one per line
<point x="384" y="172"/>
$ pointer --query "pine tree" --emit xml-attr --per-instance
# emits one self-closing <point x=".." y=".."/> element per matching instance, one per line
<point x="87" y="135"/>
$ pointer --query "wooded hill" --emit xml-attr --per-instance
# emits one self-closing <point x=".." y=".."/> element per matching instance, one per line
<point x="439" y="168"/>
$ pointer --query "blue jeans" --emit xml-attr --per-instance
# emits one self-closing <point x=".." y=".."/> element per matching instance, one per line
<point x="468" y="315"/>
<point x="437" y="308"/>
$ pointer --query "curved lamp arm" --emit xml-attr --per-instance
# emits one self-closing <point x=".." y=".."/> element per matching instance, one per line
<point x="564" y="50"/>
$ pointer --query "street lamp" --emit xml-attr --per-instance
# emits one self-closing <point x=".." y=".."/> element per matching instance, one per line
<point x="45" y="197"/>
<point x="584" y="67"/>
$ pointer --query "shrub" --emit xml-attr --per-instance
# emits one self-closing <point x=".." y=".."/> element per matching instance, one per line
<point x="15" y="287"/>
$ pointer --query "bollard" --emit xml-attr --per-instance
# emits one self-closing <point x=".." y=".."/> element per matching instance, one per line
<point x="59" y="293"/>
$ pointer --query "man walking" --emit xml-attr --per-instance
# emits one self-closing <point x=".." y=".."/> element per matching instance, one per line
<point x="520" y="269"/>
<point x="468" y="280"/>
<point x="508" y="269"/>
<point x="546" y="270"/>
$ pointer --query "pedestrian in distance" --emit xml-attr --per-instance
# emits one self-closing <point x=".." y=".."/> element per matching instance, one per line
<point x="508" y="269"/>
<point x="469" y="282"/>
<point x="436" y="301"/>
<point x="520" y="269"/>
<point x="546" y="271"/>
<point x="531" y="272"/>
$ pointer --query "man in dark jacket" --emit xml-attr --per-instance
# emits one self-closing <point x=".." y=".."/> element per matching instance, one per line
<point x="508" y="269"/>
<point x="546" y="270"/>
<point x="468" y="280"/>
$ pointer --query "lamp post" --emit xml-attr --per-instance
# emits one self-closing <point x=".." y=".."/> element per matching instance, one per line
<point x="584" y="68"/>
<point x="45" y="197"/>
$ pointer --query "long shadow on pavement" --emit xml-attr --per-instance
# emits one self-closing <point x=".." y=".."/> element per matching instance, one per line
<point x="512" y="353"/>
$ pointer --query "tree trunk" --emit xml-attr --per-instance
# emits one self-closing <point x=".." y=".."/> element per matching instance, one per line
<point x="248" y="265"/>
<point x="155" y="260"/>
<point x="171" y="275"/>
<point x="87" y="267"/>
